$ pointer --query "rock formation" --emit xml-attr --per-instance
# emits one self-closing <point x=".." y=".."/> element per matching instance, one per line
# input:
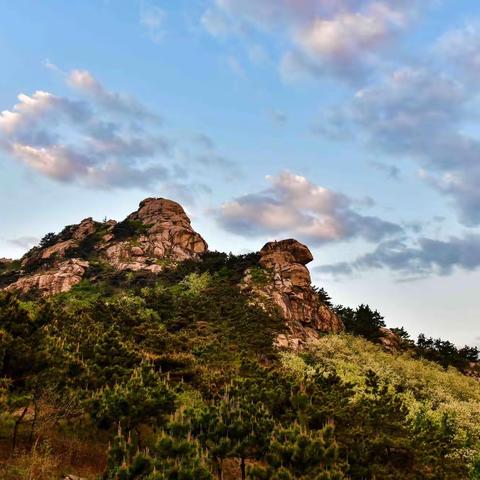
<point x="159" y="232"/>
<point x="288" y="285"/>
<point x="158" y="235"/>
<point x="389" y="340"/>
<point x="167" y="235"/>
<point x="65" y="275"/>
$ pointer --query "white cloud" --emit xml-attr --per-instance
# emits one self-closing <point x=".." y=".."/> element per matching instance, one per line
<point x="102" y="140"/>
<point x="324" y="37"/>
<point x="39" y="106"/>
<point x="294" y="206"/>
<point x="215" y="23"/>
<point x="424" y="256"/>
<point x="57" y="162"/>
<point x="84" y="81"/>
<point x="351" y="33"/>
<point x="462" y="48"/>
<point x="421" y="114"/>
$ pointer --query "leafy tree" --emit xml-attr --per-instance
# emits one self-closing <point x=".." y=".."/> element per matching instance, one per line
<point x="168" y="459"/>
<point x="446" y="353"/>
<point x="324" y="296"/>
<point x="21" y="339"/>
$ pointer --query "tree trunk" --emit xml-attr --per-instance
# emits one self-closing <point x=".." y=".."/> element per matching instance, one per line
<point x="219" y="469"/>
<point x="18" y="421"/>
<point x="242" y="467"/>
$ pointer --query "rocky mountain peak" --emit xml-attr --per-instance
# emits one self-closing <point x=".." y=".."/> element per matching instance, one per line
<point x="289" y="286"/>
<point x="289" y="250"/>
<point x="159" y="232"/>
<point x="156" y="236"/>
<point x="153" y="211"/>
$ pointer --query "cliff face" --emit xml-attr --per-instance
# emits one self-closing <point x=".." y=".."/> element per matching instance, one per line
<point x="285" y="280"/>
<point x="157" y="233"/>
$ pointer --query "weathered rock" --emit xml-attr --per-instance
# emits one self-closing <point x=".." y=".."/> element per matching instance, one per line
<point x="168" y="235"/>
<point x="169" y="229"/>
<point x="155" y="235"/>
<point x="389" y="340"/>
<point x="285" y="251"/>
<point x="61" y="279"/>
<point x="85" y="228"/>
<point x="58" y="249"/>
<point x="289" y="287"/>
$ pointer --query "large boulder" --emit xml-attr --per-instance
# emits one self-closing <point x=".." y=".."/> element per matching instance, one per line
<point x="289" y="287"/>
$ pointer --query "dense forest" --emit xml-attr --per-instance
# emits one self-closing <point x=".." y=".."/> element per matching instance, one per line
<point x="176" y="376"/>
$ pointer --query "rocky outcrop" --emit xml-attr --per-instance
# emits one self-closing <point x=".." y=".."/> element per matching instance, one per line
<point x="159" y="233"/>
<point x="389" y="340"/>
<point x="287" y="283"/>
<point x="167" y="234"/>
<point x="63" y="278"/>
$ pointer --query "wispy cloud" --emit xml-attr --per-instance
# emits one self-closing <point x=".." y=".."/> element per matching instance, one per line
<point x="390" y="171"/>
<point x="422" y="114"/>
<point x="84" y="81"/>
<point x="152" y="19"/>
<point x="24" y="242"/>
<point x="98" y="138"/>
<point x="342" y="38"/>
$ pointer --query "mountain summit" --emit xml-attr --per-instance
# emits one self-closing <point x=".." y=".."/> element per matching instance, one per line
<point x="129" y="350"/>
<point x="159" y="236"/>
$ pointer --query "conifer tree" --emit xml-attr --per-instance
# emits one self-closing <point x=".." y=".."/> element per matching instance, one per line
<point x="299" y="454"/>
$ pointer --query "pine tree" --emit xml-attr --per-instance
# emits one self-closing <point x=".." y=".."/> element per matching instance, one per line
<point x="300" y="454"/>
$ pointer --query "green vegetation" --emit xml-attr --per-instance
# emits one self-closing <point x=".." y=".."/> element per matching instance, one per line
<point x="128" y="228"/>
<point x="9" y="272"/>
<point x="176" y="376"/>
<point x="367" y="323"/>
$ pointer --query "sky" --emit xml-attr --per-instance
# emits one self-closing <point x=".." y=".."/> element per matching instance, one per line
<point x="350" y="125"/>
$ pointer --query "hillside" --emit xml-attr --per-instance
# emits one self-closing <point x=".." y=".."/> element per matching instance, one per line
<point x="128" y="350"/>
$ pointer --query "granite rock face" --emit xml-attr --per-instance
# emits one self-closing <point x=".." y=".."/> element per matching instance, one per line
<point x="63" y="278"/>
<point x="288" y="285"/>
<point x="167" y="234"/>
<point x="159" y="232"/>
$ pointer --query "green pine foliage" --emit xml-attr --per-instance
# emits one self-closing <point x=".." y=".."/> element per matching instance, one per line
<point x="176" y="376"/>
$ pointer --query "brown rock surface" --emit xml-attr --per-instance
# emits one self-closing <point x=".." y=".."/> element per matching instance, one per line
<point x="169" y="228"/>
<point x="289" y="287"/>
<point x="390" y="340"/>
<point x="168" y="235"/>
<point x="159" y="232"/>
<point x="61" y="279"/>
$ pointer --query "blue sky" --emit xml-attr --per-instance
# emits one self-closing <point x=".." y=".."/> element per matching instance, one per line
<point x="351" y="125"/>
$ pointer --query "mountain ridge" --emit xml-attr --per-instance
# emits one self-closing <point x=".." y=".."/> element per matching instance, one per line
<point x="157" y="236"/>
<point x="130" y="351"/>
